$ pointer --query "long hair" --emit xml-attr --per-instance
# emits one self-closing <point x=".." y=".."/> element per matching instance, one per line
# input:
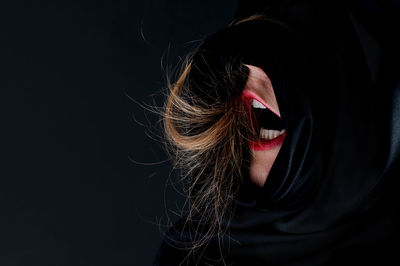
<point x="207" y="128"/>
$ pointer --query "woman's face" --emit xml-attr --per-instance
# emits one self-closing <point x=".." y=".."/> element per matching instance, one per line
<point x="259" y="97"/>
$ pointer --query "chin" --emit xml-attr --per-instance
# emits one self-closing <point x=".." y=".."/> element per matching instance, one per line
<point x="259" y="174"/>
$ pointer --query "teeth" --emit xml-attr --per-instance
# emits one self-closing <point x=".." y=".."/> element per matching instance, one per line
<point x="257" y="104"/>
<point x="270" y="133"/>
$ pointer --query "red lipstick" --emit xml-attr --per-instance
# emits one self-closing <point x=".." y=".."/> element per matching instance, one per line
<point x="260" y="144"/>
<point x="247" y="96"/>
<point x="263" y="144"/>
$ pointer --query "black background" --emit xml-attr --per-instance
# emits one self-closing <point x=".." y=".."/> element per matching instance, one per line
<point x="75" y="184"/>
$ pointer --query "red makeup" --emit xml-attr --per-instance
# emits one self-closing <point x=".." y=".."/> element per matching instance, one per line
<point x="267" y="138"/>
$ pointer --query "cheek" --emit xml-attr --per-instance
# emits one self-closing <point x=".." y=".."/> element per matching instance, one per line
<point x="261" y="164"/>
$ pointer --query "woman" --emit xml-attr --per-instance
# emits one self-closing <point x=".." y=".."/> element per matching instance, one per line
<point x="286" y="124"/>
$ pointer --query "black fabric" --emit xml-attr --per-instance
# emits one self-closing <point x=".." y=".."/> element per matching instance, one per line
<point x="331" y="195"/>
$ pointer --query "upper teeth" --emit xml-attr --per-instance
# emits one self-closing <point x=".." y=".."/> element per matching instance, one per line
<point x="257" y="104"/>
<point x="270" y="133"/>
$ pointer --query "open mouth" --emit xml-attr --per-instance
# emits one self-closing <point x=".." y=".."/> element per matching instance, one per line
<point x="268" y="124"/>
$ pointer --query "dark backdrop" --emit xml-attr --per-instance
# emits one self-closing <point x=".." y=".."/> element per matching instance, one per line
<point x="75" y="186"/>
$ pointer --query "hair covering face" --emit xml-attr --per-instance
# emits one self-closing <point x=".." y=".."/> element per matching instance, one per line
<point x="330" y="196"/>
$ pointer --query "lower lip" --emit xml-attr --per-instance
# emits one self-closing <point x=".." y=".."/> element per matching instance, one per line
<point x="262" y="145"/>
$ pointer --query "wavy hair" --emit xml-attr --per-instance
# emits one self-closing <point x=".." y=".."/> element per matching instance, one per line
<point x="206" y="131"/>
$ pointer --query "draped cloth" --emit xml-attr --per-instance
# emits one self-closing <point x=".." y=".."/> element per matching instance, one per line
<point x="332" y="193"/>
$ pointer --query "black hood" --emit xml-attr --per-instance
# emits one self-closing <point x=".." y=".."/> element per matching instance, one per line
<point x="281" y="53"/>
<point x="331" y="195"/>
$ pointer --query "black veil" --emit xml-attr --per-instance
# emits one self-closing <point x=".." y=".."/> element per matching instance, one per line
<point x="331" y="195"/>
